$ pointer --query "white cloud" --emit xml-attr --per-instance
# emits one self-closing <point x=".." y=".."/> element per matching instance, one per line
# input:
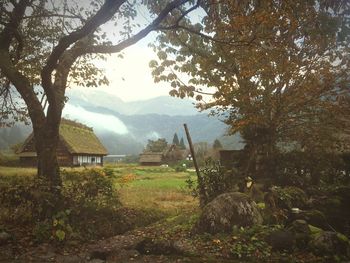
<point x="99" y="122"/>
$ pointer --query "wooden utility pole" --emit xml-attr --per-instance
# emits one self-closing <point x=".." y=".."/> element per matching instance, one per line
<point x="201" y="189"/>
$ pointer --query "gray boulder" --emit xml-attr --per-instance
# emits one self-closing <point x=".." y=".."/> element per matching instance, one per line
<point x="330" y="243"/>
<point x="228" y="210"/>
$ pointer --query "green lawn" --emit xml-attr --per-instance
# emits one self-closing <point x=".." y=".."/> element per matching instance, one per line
<point x="155" y="187"/>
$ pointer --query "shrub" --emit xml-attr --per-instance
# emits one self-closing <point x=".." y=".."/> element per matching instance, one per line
<point x="90" y="188"/>
<point x="290" y="197"/>
<point x="213" y="181"/>
<point x="88" y="196"/>
<point x="180" y="168"/>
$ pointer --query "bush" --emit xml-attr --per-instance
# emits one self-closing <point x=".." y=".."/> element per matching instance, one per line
<point x="88" y="196"/>
<point x="290" y="197"/>
<point x="301" y="169"/>
<point x="90" y="188"/>
<point x="180" y="168"/>
<point x="213" y="181"/>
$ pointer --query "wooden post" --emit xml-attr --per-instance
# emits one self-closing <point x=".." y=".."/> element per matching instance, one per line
<point x="202" y="196"/>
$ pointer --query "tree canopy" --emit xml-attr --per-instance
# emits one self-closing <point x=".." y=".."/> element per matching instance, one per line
<point x="156" y="145"/>
<point x="275" y="71"/>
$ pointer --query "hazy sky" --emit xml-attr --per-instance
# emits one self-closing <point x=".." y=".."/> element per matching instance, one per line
<point x="130" y="77"/>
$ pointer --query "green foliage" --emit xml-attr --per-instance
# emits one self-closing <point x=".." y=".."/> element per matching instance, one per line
<point x="176" y="139"/>
<point x="180" y="168"/>
<point x="61" y="227"/>
<point x="313" y="166"/>
<point x="157" y="146"/>
<point x="290" y="197"/>
<point x="182" y="144"/>
<point x="213" y="181"/>
<point x="87" y="196"/>
<point x="250" y="242"/>
<point x="90" y="188"/>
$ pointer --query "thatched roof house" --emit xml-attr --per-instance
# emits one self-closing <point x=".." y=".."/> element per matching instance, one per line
<point x="171" y="153"/>
<point x="78" y="145"/>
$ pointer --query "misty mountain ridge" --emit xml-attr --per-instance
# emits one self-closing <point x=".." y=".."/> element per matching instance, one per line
<point x="125" y="127"/>
<point x="166" y="105"/>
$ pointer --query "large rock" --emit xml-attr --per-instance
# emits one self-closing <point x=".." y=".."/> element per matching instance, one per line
<point x="301" y="231"/>
<point x="330" y="243"/>
<point x="228" y="210"/>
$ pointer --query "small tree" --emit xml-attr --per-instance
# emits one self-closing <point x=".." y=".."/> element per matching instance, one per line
<point x="157" y="146"/>
<point x="182" y="144"/>
<point x="217" y="145"/>
<point x="176" y="140"/>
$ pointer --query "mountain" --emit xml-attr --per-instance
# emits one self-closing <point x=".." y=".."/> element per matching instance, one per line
<point x="125" y="127"/>
<point x="166" y="105"/>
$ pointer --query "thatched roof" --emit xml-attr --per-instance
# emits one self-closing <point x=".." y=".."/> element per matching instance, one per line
<point x="151" y="157"/>
<point x="78" y="138"/>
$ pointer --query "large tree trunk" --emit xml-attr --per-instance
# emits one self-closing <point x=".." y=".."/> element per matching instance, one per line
<point x="48" y="169"/>
<point x="50" y="183"/>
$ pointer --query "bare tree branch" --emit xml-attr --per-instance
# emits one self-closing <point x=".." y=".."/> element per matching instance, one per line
<point x="141" y="34"/>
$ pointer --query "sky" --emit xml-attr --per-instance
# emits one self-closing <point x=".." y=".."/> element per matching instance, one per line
<point x="130" y="77"/>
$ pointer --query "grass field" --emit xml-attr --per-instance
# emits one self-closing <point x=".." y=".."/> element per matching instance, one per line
<point x="155" y="187"/>
<point x="160" y="188"/>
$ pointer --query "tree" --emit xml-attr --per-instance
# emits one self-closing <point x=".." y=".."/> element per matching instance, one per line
<point x="217" y="144"/>
<point x="47" y="45"/>
<point x="176" y="140"/>
<point x="276" y="71"/>
<point x="157" y="146"/>
<point x="182" y="144"/>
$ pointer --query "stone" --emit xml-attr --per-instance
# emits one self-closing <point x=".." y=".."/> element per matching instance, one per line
<point x="228" y="210"/>
<point x="281" y="240"/>
<point x="301" y="231"/>
<point x="330" y="243"/>
<point x="4" y="238"/>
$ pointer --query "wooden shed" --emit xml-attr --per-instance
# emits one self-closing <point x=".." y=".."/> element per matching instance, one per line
<point x="78" y="145"/>
<point x="151" y="158"/>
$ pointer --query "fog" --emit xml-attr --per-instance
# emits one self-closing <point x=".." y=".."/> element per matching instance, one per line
<point x="99" y="122"/>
